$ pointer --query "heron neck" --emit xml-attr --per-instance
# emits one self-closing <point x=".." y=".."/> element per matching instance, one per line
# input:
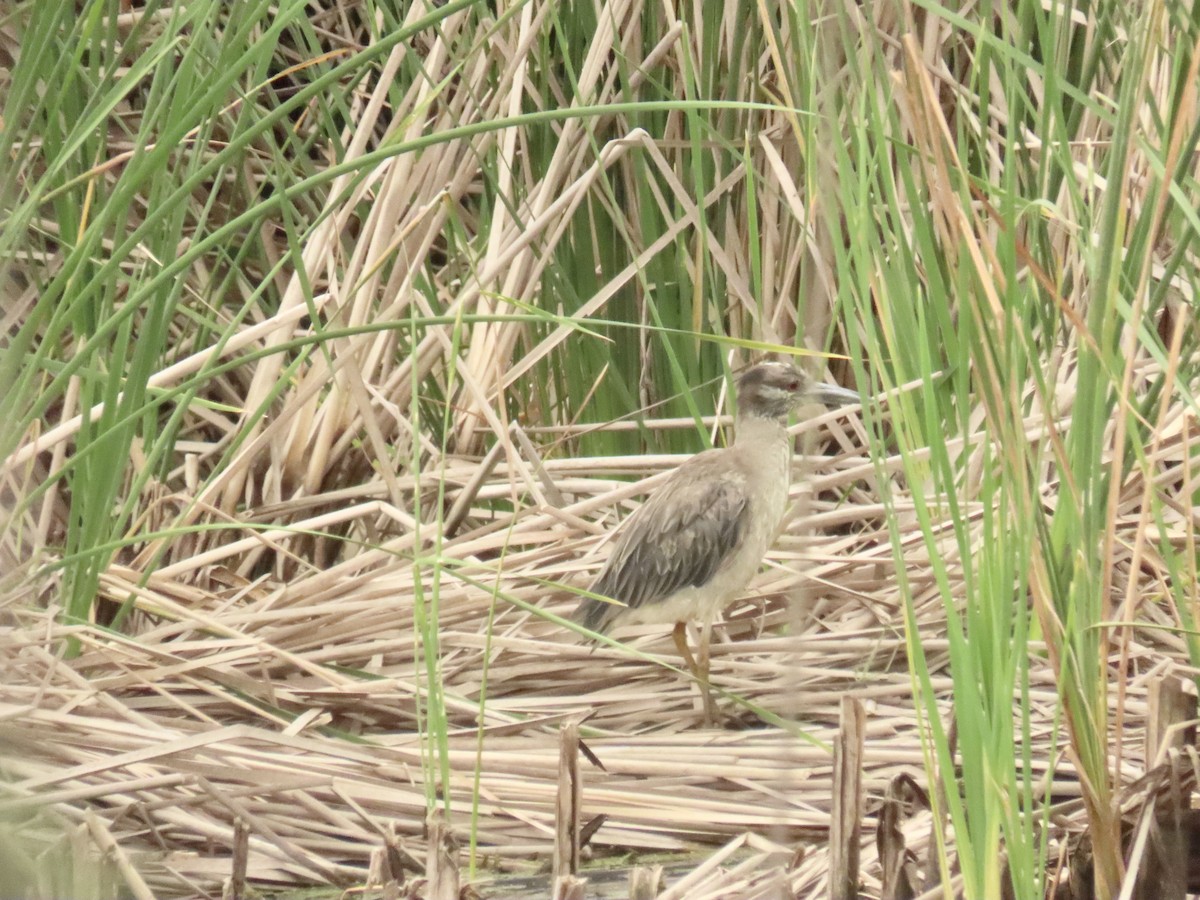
<point x="760" y="431"/>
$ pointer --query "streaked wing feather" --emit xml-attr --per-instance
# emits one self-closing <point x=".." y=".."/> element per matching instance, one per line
<point x="680" y="537"/>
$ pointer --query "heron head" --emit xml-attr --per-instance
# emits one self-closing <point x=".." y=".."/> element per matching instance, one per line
<point x="773" y="389"/>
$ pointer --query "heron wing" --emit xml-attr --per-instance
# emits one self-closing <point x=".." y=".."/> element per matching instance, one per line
<point x="680" y="537"/>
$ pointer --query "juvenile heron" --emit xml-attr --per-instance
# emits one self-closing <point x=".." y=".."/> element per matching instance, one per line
<point x="696" y="542"/>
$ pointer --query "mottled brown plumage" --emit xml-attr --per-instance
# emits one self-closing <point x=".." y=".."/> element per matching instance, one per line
<point x="699" y="538"/>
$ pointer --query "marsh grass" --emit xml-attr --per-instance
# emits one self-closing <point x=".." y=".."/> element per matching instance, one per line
<point x="338" y="338"/>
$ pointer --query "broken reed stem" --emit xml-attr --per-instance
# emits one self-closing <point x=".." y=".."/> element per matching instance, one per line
<point x="645" y="882"/>
<point x="844" y="828"/>
<point x="1170" y="720"/>
<point x="235" y="887"/>
<point x="568" y="887"/>
<point x="1158" y="852"/>
<point x="899" y="871"/>
<point x="570" y="791"/>
<point x="441" y="860"/>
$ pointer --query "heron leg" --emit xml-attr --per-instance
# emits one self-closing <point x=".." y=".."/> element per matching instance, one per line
<point x="679" y="635"/>
<point x="712" y="715"/>
<point x="699" y="669"/>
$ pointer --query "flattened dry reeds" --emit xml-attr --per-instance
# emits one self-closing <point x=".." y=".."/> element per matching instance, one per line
<point x="293" y="708"/>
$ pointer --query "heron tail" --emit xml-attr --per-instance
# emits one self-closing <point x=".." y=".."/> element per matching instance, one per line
<point x="595" y="615"/>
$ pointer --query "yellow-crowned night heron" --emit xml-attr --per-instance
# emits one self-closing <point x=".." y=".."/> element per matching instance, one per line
<point x="696" y="542"/>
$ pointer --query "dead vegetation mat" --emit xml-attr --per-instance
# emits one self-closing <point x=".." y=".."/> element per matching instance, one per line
<point x="300" y="706"/>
